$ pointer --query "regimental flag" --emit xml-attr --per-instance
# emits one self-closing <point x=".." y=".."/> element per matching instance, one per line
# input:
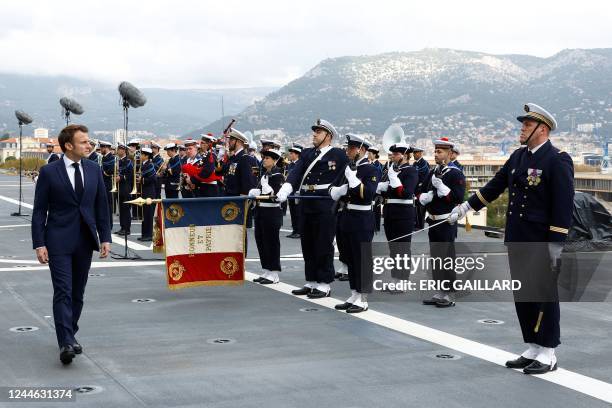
<point x="158" y="227"/>
<point x="204" y="241"/>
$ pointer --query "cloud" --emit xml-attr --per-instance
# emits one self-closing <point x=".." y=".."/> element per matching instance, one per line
<point x="212" y="44"/>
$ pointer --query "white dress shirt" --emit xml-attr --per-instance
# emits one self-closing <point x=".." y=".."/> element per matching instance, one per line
<point x="535" y="149"/>
<point x="70" y="170"/>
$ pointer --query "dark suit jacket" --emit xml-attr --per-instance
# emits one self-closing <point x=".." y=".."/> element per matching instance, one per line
<point x="57" y="214"/>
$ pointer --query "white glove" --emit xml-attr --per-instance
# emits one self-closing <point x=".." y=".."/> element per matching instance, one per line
<point x="426" y="198"/>
<point x="221" y="153"/>
<point x="284" y="192"/>
<point x="254" y="192"/>
<point x="555" y="249"/>
<point x="265" y="187"/>
<point x="337" y="192"/>
<point x="351" y="176"/>
<point x="459" y="212"/>
<point x="441" y="188"/>
<point x="382" y="187"/>
<point x="394" y="180"/>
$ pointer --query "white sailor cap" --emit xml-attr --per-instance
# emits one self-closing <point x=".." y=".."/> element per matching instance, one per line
<point x="121" y="146"/>
<point x="400" y="148"/>
<point x="181" y="147"/>
<point x="296" y="148"/>
<point x="236" y="134"/>
<point x="325" y="125"/>
<point x="266" y="142"/>
<point x="539" y="114"/>
<point x="443" y="142"/>
<point x="133" y="142"/>
<point x="93" y="142"/>
<point x="190" y="142"/>
<point x="356" y="140"/>
<point x="416" y="149"/>
<point x="273" y="153"/>
<point x="104" y="143"/>
<point x="208" y="137"/>
<point x="146" y="150"/>
<point x="455" y="149"/>
<point x="373" y="149"/>
<point x="170" y="146"/>
<point x="155" y="144"/>
<point x="50" y="144"/>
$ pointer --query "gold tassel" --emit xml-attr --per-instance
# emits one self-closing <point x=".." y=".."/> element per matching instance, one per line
<point x="537" y="326"/>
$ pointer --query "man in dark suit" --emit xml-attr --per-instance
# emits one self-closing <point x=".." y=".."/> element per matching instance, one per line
<point x="52" y="156"/>
<point x="70" y="214"/>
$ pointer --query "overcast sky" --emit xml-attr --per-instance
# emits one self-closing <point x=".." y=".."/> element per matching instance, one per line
<point x="230" y="43"/>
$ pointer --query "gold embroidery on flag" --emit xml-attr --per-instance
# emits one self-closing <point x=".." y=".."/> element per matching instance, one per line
<point x="229" y="266"/>
<point x="176" y="270"/>
<point x="230" y="211"/>
<point x="174" y="213"/>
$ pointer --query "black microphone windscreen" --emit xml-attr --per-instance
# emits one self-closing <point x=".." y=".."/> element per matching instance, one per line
<point x="71" y="105"/>
<point x="134" y="97"/>
<point x="23" y="117"/>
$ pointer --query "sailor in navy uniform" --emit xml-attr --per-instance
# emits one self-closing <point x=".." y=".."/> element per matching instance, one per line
<point x="373" y="155"/>
<point x="422" y="167"/>
<point x="172" y="173"/>
<point x="125" y="182"/>
<point x="540" y="182"/>
<point x="445" y="188"/>
<point x="108" y="172"/>
<point x="158" y="162"/>
<point x="52" y="156"/>
<point x="312" y="175"/>
<point x="93" y="156"/>
<point x="147" y="182"/>
<point x="207" y="187"/>
<point x="268" y="217"/>
<point x="357" y="223"/>
<point x="454" y="162"/>
<point x="189" y="189"/>
<point x="294" y="155"/>
<point x="241" y="171"/>
<point x="399" y="196"/>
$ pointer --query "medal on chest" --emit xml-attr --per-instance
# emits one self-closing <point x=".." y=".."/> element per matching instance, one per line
<point x="534" y="176"/>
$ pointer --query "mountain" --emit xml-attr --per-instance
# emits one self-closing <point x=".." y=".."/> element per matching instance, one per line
<point x="439" y="92"/>
<point x="167" y="111"/>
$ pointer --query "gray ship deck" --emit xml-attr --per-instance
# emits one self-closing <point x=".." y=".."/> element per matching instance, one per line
<point x="282" y="351"/>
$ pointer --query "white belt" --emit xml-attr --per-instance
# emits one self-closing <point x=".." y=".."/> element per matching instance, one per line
<point x="399" y="201"/>
<point x="209" y="182"/>
<point x="313" y="187"/>
<point x="439" y="217"/>
<point x="357" y="207"/>
<point x="268" y="204"/>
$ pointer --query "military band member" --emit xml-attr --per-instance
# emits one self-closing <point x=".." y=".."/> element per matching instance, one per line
<point x="294" y="155"/>
<point x="158" y="162"/>
<point x="357" y="221"/>
<point x="125" y="182"/>
<point x="241" y="170"/>
<point x="422" y="167"/>
<point x="540" y="181"/>
<point x="373" y="155"/>
<point x="172" y="171"/>
<point x="52" y="156"/>
<point x="147" y="186"/>
<point x="192" y="157"/>
<point x="93" y="155"/>
<point x="108" y="172"/>
<point x="268" y="217"/>
<point x="399" y="196"/>
<point x="313" y="174"/>
<point x="454" y="162"/>
<point x="445" y="189"/>
<point x="208" y="180"/>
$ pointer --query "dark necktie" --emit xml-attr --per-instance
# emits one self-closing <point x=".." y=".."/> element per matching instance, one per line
<point x="317" y="153"/>
<point x="78" y="181"/>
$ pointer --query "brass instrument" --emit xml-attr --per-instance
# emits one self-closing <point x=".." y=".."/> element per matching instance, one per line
<point x="115" y="171"/>
<point x="137" y="169"/>
<point x="162" y="167"/>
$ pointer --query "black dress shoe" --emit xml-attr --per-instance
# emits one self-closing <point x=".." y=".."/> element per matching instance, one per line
<point x="343" y="306"/>
<point x="120" y="232"/>
<point x="145" y="239"/>
<point x="520" y="362"/>
<point x="301" y="292"/>
<point x="343" y="277"/>
<point x="66" y="354"/>
<point x="356" y="309"/>
<point x="538" y="368"/>
<point x="78" y="349"/>
<point x="337" y="275"/>
<point x="431" y="301"/>
<point x="266" y="281"/>
<point x="293" y="235"/>
<point x="318" y="294"/>
<point x="257" y="280"/>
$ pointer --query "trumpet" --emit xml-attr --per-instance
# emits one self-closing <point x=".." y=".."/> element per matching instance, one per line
<point x="163" y="167"/>
<point x="115" y="171"/>
<point x="137" y="173"/>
